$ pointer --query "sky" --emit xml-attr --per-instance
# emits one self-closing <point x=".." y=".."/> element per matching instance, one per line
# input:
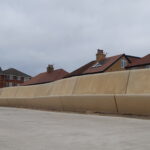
<point x="67" y="33"/>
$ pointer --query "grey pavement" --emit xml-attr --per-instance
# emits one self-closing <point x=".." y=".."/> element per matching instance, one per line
<point x="23" y="129"/>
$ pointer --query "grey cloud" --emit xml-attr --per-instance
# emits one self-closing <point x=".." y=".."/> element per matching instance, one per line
<point x="34" y="33"/>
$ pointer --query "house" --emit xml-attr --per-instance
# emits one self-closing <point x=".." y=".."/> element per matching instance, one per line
<point x="142" y="63"/>
<point x="12" y="77"/>
<point x="104" y="64"/>
<point x="49" y="76"/>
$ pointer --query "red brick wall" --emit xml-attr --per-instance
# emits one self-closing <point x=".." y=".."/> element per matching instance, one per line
<point x="4" y="81"/>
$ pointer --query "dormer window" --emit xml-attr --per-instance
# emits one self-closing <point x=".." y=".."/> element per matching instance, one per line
<point x="123" y="63"/>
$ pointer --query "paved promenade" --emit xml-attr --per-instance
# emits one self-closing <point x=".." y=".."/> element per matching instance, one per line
<point x="23" y="129"/>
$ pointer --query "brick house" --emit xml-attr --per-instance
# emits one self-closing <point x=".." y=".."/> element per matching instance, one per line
<point x="50" y="75"/>
<point x="12" y="77"/>
<point x="104" y="64"/>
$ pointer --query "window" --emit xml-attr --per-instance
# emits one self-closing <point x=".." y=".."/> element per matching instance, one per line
<point x="6" y="84"/>
<point x="26" y="79"/>
<point x="7" y="77"/>
<point x="10" y="84"/>
<point x="97" y="65"/>
<point x="2" y="77"/>
<point x="22" y="78"/>
<point x="123" y="63"/>
<point x="14" y="84"/>
<point x="11" y="77"/>
<point x="19" y="78"/>
<point x="15" y="77"/>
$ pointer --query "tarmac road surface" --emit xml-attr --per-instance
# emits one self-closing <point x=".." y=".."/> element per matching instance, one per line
<point x="23" y="129"/>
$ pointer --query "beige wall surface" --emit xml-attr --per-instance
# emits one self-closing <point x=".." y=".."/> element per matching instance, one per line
<point x="133" y="104"/>
<point x="9" y="92"/>
<point x="125" y="91"/>
<point x="64" y="86"/>
<point x="86" y="103"/>
<point x="48" y="103"/>
<point x="26" y="91"/>
<point x="139" y="82"/>
<point x="99" y="103"/>
<point x="89" y="103"/>
<point x="105" y="83"/>
<point x="1" y="91"/>
<point x="43" y="89"/>
<point x="16" y="102"/>
<point x="4" y="102"/>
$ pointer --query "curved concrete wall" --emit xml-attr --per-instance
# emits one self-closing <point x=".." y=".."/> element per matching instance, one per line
<point x="1" y="91"/>
<point x="26" y="91"/>
<point x="133" y="104"/>
<point x="89" y="103"/>
<point x="9" y="92"/>
<point x="43" y="90"/>
<point x="124" y="92"/>
<point x="64" y="87"/>
<point x="48" y="103"/>
<point x="139" y="82"/>
<point x="105" y="83"/>
<point x="136" y="101"/>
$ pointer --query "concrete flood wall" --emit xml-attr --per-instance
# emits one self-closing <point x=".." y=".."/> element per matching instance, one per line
<point x="7" y="94"/>
<point x="133" y="104"/>
<point x="63" y="87"/>
<point x="136" y="101"/>
<point x="43" y="90"/>
<point x="124" y="92"/>
<point x="139" y="82"/>
<point x="105" y="83"/>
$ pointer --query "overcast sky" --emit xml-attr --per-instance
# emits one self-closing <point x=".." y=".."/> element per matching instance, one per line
<point x="67" y="33"/>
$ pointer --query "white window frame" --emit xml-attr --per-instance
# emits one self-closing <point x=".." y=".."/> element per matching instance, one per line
<point x="11" y="77"/>
<point x="123" y="63"/>
<point x="10" y="84"/>
<point x="26" y="78"/>
<point x="19" y="78"/>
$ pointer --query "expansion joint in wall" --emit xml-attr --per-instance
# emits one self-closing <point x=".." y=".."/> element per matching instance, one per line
<point x="116" y="103"/>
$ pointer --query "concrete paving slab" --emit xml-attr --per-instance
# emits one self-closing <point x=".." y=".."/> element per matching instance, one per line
<point x="23" y="129"/>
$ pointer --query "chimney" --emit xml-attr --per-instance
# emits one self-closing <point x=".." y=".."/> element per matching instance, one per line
<point x="100" y="56"/>
<point x="50" y="68"/>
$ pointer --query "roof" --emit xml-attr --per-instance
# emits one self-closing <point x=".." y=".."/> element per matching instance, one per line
<point x="81" y="69"/>
<point x="103" y="65"/>
<point x="132" y="58"/>
<point x="140" y="62"/>
<point x="16" y="72"/>
<point x="89" y="68"/>
<point x="46" y="77"/>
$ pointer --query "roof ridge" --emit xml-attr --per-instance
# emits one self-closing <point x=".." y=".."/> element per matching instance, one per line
<point x="10" y="71"/>
<point x="143" y="61"/>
